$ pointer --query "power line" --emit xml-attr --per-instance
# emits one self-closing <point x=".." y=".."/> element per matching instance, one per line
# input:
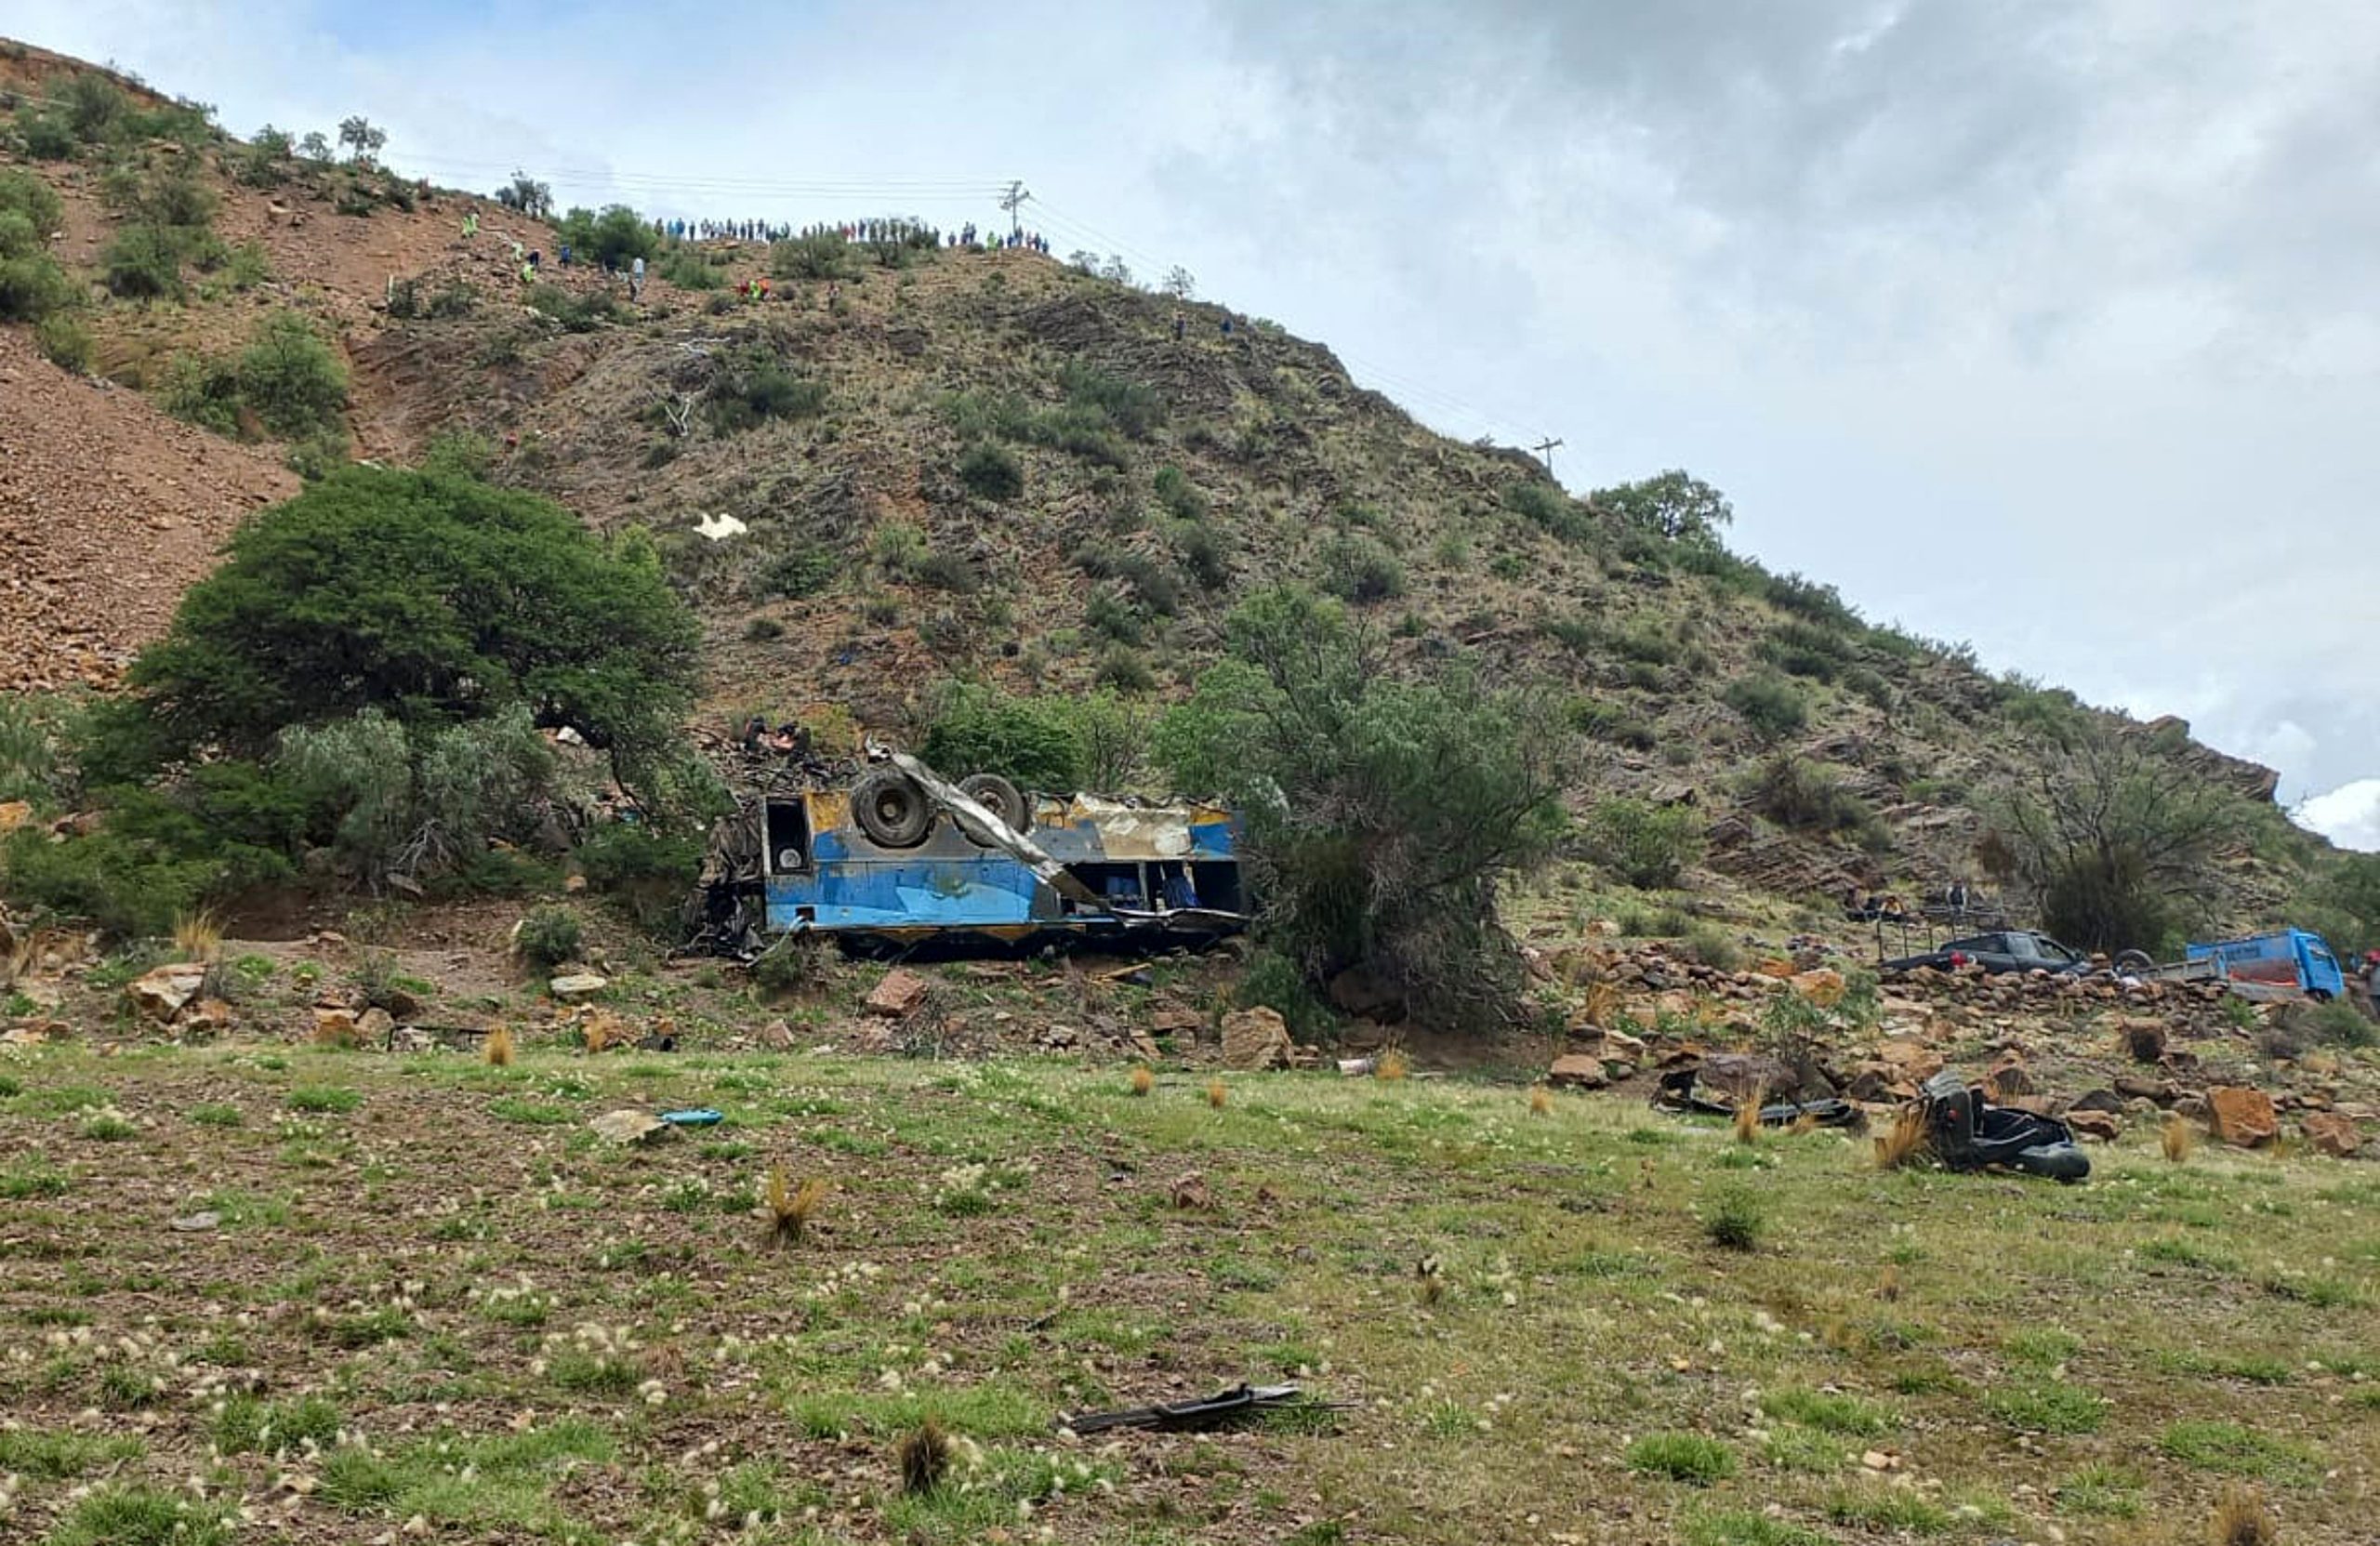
<point x="1545" y="449"/>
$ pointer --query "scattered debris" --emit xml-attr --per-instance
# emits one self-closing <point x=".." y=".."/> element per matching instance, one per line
<point x="628" y="1127"/>
<point x="693" y="1117"/>
<point x="196" y="1224"/>
<point x="1215" y="1411"/>
<point x="573" y="987"/>
<point x="1192" y="1194"/>
<point x="1967" y="1132"/>
<point x="1677" y="1095"/>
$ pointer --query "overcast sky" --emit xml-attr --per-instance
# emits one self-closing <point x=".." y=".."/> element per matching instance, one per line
<point x="2050" y="326"/>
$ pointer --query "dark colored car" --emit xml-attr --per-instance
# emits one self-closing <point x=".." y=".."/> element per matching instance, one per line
<point x="2008" y="950"/>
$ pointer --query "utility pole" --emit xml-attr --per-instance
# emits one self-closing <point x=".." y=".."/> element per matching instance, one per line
<point x="1013" y="201"/>
<point x="1544" y="450"/>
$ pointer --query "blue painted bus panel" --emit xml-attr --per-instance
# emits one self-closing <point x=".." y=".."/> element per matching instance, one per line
<point x="983" y="891"/>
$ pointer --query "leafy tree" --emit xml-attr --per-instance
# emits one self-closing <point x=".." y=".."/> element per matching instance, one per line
<point x="313" y="147"/>
<point x="528" y="195"/>
<point x="1381" y="813"/>
<point x="2117" y="838"/>
<point x="32" y="283"/>
<point x="1672" y="505"/>
<point x="613" y="238"/>
<point x="362" y="140"/>
<point x="433" y="599"/>
<point x="1180" y="282"/>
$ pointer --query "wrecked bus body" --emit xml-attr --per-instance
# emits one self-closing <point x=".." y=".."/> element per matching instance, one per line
<point x="900" y="857"/>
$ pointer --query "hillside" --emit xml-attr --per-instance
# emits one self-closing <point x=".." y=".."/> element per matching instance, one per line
<point x="1160" y="477"/>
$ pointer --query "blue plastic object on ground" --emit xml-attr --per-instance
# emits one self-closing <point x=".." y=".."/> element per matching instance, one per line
<point x="699" y="1117"/>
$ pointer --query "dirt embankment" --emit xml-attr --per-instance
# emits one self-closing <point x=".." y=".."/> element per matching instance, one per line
<point x="108" y="511"/>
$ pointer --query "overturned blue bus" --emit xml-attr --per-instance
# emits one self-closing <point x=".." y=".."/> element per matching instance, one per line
<point x="900" y="856"/>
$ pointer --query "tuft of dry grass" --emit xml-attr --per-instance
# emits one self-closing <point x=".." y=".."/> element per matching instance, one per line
<point x="2177" y="1138"/>
<point x="1600" y="1003"/>
<point x="1143" y="1081"/>
<point x="1217" y="1094"/>
<point x="1392" y="1065"/>
<point x="337" y="1032"/>
<point x="2241" y="1519"/>
<point x="1904" y="1141"/>
<point x="1748" y="1114"/>
<point x="925" y="1457"/>
<point x="1803" y="1125"/>
<point x="197" y="936"/>
<point x="498" y="1048"/>
<point x="603" y="1031"/>
<point x="787" y="1208"/>
<point x="1888" y="1286"/>
<point x="1540" y="1101"/>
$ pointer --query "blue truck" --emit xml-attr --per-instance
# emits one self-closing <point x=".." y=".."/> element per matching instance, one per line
<point x="896" y="856"/>
<point x="2285" y="959"/>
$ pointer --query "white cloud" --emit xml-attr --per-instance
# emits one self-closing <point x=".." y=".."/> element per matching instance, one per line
<point x="2348" y="816"/>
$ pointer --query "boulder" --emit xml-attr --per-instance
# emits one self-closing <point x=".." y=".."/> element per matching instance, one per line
<point x="376" y="1028"/>
<point x="2331" y="1134"/>
<point x="2007" y="1079"/>
<point x="160" y="995"/>
<point x="1256" y="1038"/>
<point x="2099" y="1100"/>
<point x="2144" y="1038"/>
<point x="1822" y="986"/>
<point x="208" y="1017"/>
<point x="334" y="1026"/>
<point x="2241" y="1116"/>
<point x="1577" y="1071"/>
<point x="1176" y="1020"/>
<point x="899" y="994"/>
<point x="628" y="1125"/>
<point x="2094" y="1124"/>
<point x="1912" y="1062"/>
<point x="1739" y="1074"/>
<point x="2139" y="1086"/>
<point x="574" y="987"/>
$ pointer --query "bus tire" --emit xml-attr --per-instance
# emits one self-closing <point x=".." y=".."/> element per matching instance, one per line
<point x="891" y="810"/>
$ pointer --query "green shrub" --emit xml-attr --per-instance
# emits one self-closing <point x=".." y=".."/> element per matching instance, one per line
<point x="991" y="472"/>
<point x="1735" y="1219"/>
<point x="688" y="270"/>
<point x="1810" y="600"/>
<point x="1130" y="406"/>
<point x="458" y="454"/>
<point x="1178" y="494"/>
<point x="47" y="136"/>
<point x="1772" y="706"/>
<point x="1273" y="982"/>
<point x="287" y="381"/>
<point x="1714" y="947"/>
<point x="2051" y="1406"/>
<point x="1610" y="721"/>
<point x="818" y="254"/>
<point x="319" y="454"/>
<point x="804" y="569"/>
<point x="1804" y="796"/>
<point x="1648" y="846"/>
<point x="550" y="937"/>
<point x="795" y="963"/>
<point x="36" y="204"/>
<point x="1544" y="505"/>
<point x="1827" y="1411"/>
<point x="1203" y="554"/>
<point x="143" y="262"/>
<point x="1682" y="1458"/>
<point x="1357" y="568"/>
<point x="1151" y="583"/>
<point x="577" y="311"/>
<point x="1037" y="743"/>
<point x="754" y="388"/>
<point x="1123" y="669"/>
<point x="62" y="338"/>
<point x="647" y="873"/>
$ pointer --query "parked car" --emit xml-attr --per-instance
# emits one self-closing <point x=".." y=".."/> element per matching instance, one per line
<point x="2005" y="950"/>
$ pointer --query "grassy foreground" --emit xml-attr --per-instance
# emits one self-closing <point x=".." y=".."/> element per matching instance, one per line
<point x="433" y="1304"/>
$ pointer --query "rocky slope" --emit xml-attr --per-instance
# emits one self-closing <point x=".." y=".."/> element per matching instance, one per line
<point x="1169" y="463"/>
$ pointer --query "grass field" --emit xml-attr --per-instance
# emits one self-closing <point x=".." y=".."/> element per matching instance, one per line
<point x="433" y="1304"/>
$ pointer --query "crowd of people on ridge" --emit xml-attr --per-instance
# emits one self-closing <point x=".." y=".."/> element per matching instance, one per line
<point x="916" y="233"/>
